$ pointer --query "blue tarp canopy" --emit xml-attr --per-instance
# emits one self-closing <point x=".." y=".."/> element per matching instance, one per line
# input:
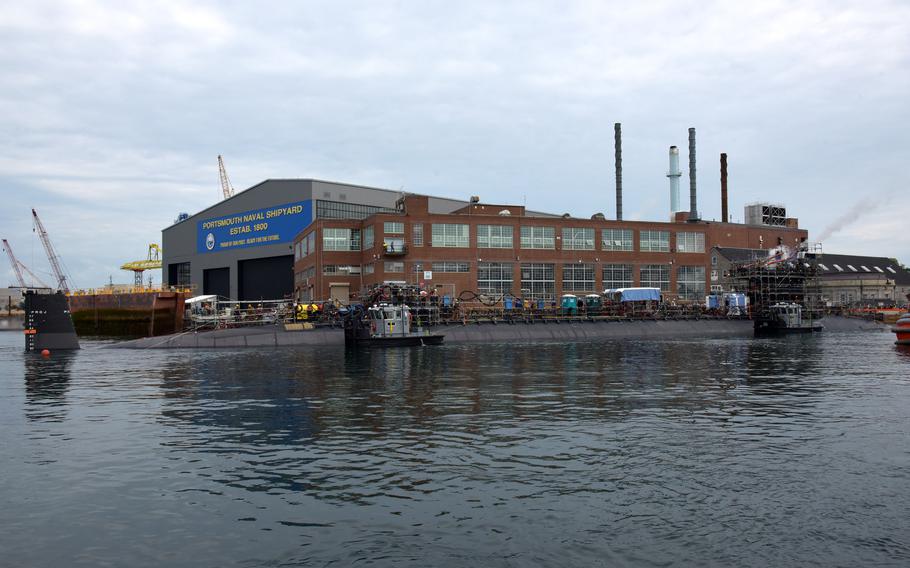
<point x="634" y="294"/>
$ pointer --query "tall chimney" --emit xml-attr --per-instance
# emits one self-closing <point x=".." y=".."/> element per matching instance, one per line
<point x="693" y="206"/>
<point x="617" y="131"/>
<point x="674" y="174"/>
<point x="723" y="188"/>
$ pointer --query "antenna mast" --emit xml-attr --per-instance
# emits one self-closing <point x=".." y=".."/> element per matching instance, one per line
<point x="226" y="186"/>
<point x="51" y="254"/>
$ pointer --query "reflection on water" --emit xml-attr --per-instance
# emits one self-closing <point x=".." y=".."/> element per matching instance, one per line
<point x="763" y="452"/>
<point x="46" y="382"/>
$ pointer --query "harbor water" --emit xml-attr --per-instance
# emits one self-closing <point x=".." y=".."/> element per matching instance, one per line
<point x="791" y="451"/>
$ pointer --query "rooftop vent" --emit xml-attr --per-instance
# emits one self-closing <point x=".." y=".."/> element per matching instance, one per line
<point x="505" y="212"/>
<point x="566" y="216"/>
<point x="598" y="217"/>
<point x="475" y="199"/>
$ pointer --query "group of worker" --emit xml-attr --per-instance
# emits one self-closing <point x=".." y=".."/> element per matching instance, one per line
<point x="305" y="311"/>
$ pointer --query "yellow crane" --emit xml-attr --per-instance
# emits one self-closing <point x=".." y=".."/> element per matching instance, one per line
<point x="139" y="266"/>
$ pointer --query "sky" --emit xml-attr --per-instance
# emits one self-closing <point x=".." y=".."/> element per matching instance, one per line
<point x="112" y="113"/>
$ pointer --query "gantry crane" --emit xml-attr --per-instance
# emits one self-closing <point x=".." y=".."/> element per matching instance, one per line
<point x="226" y="186"/>
<point x="51" y="254"/>
<point x="139" y="266"/>
<point x="18" y="267"/>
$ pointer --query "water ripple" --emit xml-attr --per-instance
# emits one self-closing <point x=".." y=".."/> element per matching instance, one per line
<point x="787" y="451"/>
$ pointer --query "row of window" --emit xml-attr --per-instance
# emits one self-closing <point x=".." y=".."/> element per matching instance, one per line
<point x="456" y="235"/>
<point x="538" y="280"/>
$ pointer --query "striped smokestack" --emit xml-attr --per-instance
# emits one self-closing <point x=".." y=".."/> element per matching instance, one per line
<point x="693" y="205"/>
<point x="723" y="188"/>
<point x="617" y="135"/>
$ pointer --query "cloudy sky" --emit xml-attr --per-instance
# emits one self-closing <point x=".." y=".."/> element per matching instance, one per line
<point x="112" y="113"/>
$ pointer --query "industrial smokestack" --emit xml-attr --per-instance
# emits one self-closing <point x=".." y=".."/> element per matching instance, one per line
<point x="723" y="188"/>
<point x="674" y="174"/>
<point x="617" y="131"/>
<point x="693" y="205"/>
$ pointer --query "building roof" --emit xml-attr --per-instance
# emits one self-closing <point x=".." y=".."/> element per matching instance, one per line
<point x="741" y="254"/>
<point x="847" y="264"/>
<point x="834" y="264"/>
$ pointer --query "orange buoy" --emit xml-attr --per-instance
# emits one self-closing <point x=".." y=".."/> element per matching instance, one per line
<point x="45" y="352"/>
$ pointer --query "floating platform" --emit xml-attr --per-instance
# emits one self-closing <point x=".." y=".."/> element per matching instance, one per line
<point x="130" y="314"/>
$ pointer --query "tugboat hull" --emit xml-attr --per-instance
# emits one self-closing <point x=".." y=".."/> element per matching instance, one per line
<point x="402" y="341"/>
<point x="901" y="330"/>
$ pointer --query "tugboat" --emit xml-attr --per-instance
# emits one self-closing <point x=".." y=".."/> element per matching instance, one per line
<point x="385" y="326"/>
<point x="901" y="328"/>
<point x="785" y="318"/>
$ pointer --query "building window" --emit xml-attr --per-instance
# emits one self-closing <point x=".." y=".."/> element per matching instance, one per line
<point x="690" y="242"/>
<point x="494" y="236"/>
<point x="394" y="266"/>
<point x="578" y="277"/>
<point x="331" y="270"/>
<point x="577" y="238"/>
<point x="417" y="234"/>
<point x="340" y="239"/>
<point x="449" y="235"/>
<point x="369" y="237"/>
<point x="690" y="283"/>
<point x="494" y="278"/>
<point x="538" y="281"/>
<point x="451" y="267"/>
<point x="538" y="238"/>
<point x="336" y="210"/>
<point x="654" y="241"/>
<point x="393" y="228"/>
<point x="311" y="243"/>
<point x="369" y="268"/>
<point x="179" y="274"/>
<point x="617" y="276"/>
<point x="616" y="239"/>
<point x="655" y="276"/>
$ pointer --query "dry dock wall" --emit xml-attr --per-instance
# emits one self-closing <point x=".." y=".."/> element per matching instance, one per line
<point x="486" y="333"/>
<point x="455" y="334"/>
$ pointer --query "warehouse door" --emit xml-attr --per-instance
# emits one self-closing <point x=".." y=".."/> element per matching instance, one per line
<point x="217" y="281"/>
<point x="266" y="278"/>
<point x="340" y="292"/>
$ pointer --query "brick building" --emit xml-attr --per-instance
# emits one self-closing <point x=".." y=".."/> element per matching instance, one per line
<point x="497" y="249"/>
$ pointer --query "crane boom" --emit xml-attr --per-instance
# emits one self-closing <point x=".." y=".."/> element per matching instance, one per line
<point x="51" y="254"/>
<point x="226" y="186"/>
<point x="14" y="262"/>
<point x="35" y="279"/>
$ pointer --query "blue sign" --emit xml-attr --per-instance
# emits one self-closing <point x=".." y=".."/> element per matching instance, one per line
<point x="269" y="226"/>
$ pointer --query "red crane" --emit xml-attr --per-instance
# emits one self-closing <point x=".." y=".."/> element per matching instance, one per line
<point x="51" y="254"/>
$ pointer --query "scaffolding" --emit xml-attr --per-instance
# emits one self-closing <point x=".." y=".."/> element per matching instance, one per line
<point x="784" y="278"/>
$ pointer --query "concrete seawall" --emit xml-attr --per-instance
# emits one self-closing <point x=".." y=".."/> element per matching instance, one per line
<point x="273" y="336"/>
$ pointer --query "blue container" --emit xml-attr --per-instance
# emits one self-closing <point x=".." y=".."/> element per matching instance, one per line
<point x="508" y="303"/>
<point x="569" y="302"/>
<point x="446" y="301"/>
<point x="541" y="304"/>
